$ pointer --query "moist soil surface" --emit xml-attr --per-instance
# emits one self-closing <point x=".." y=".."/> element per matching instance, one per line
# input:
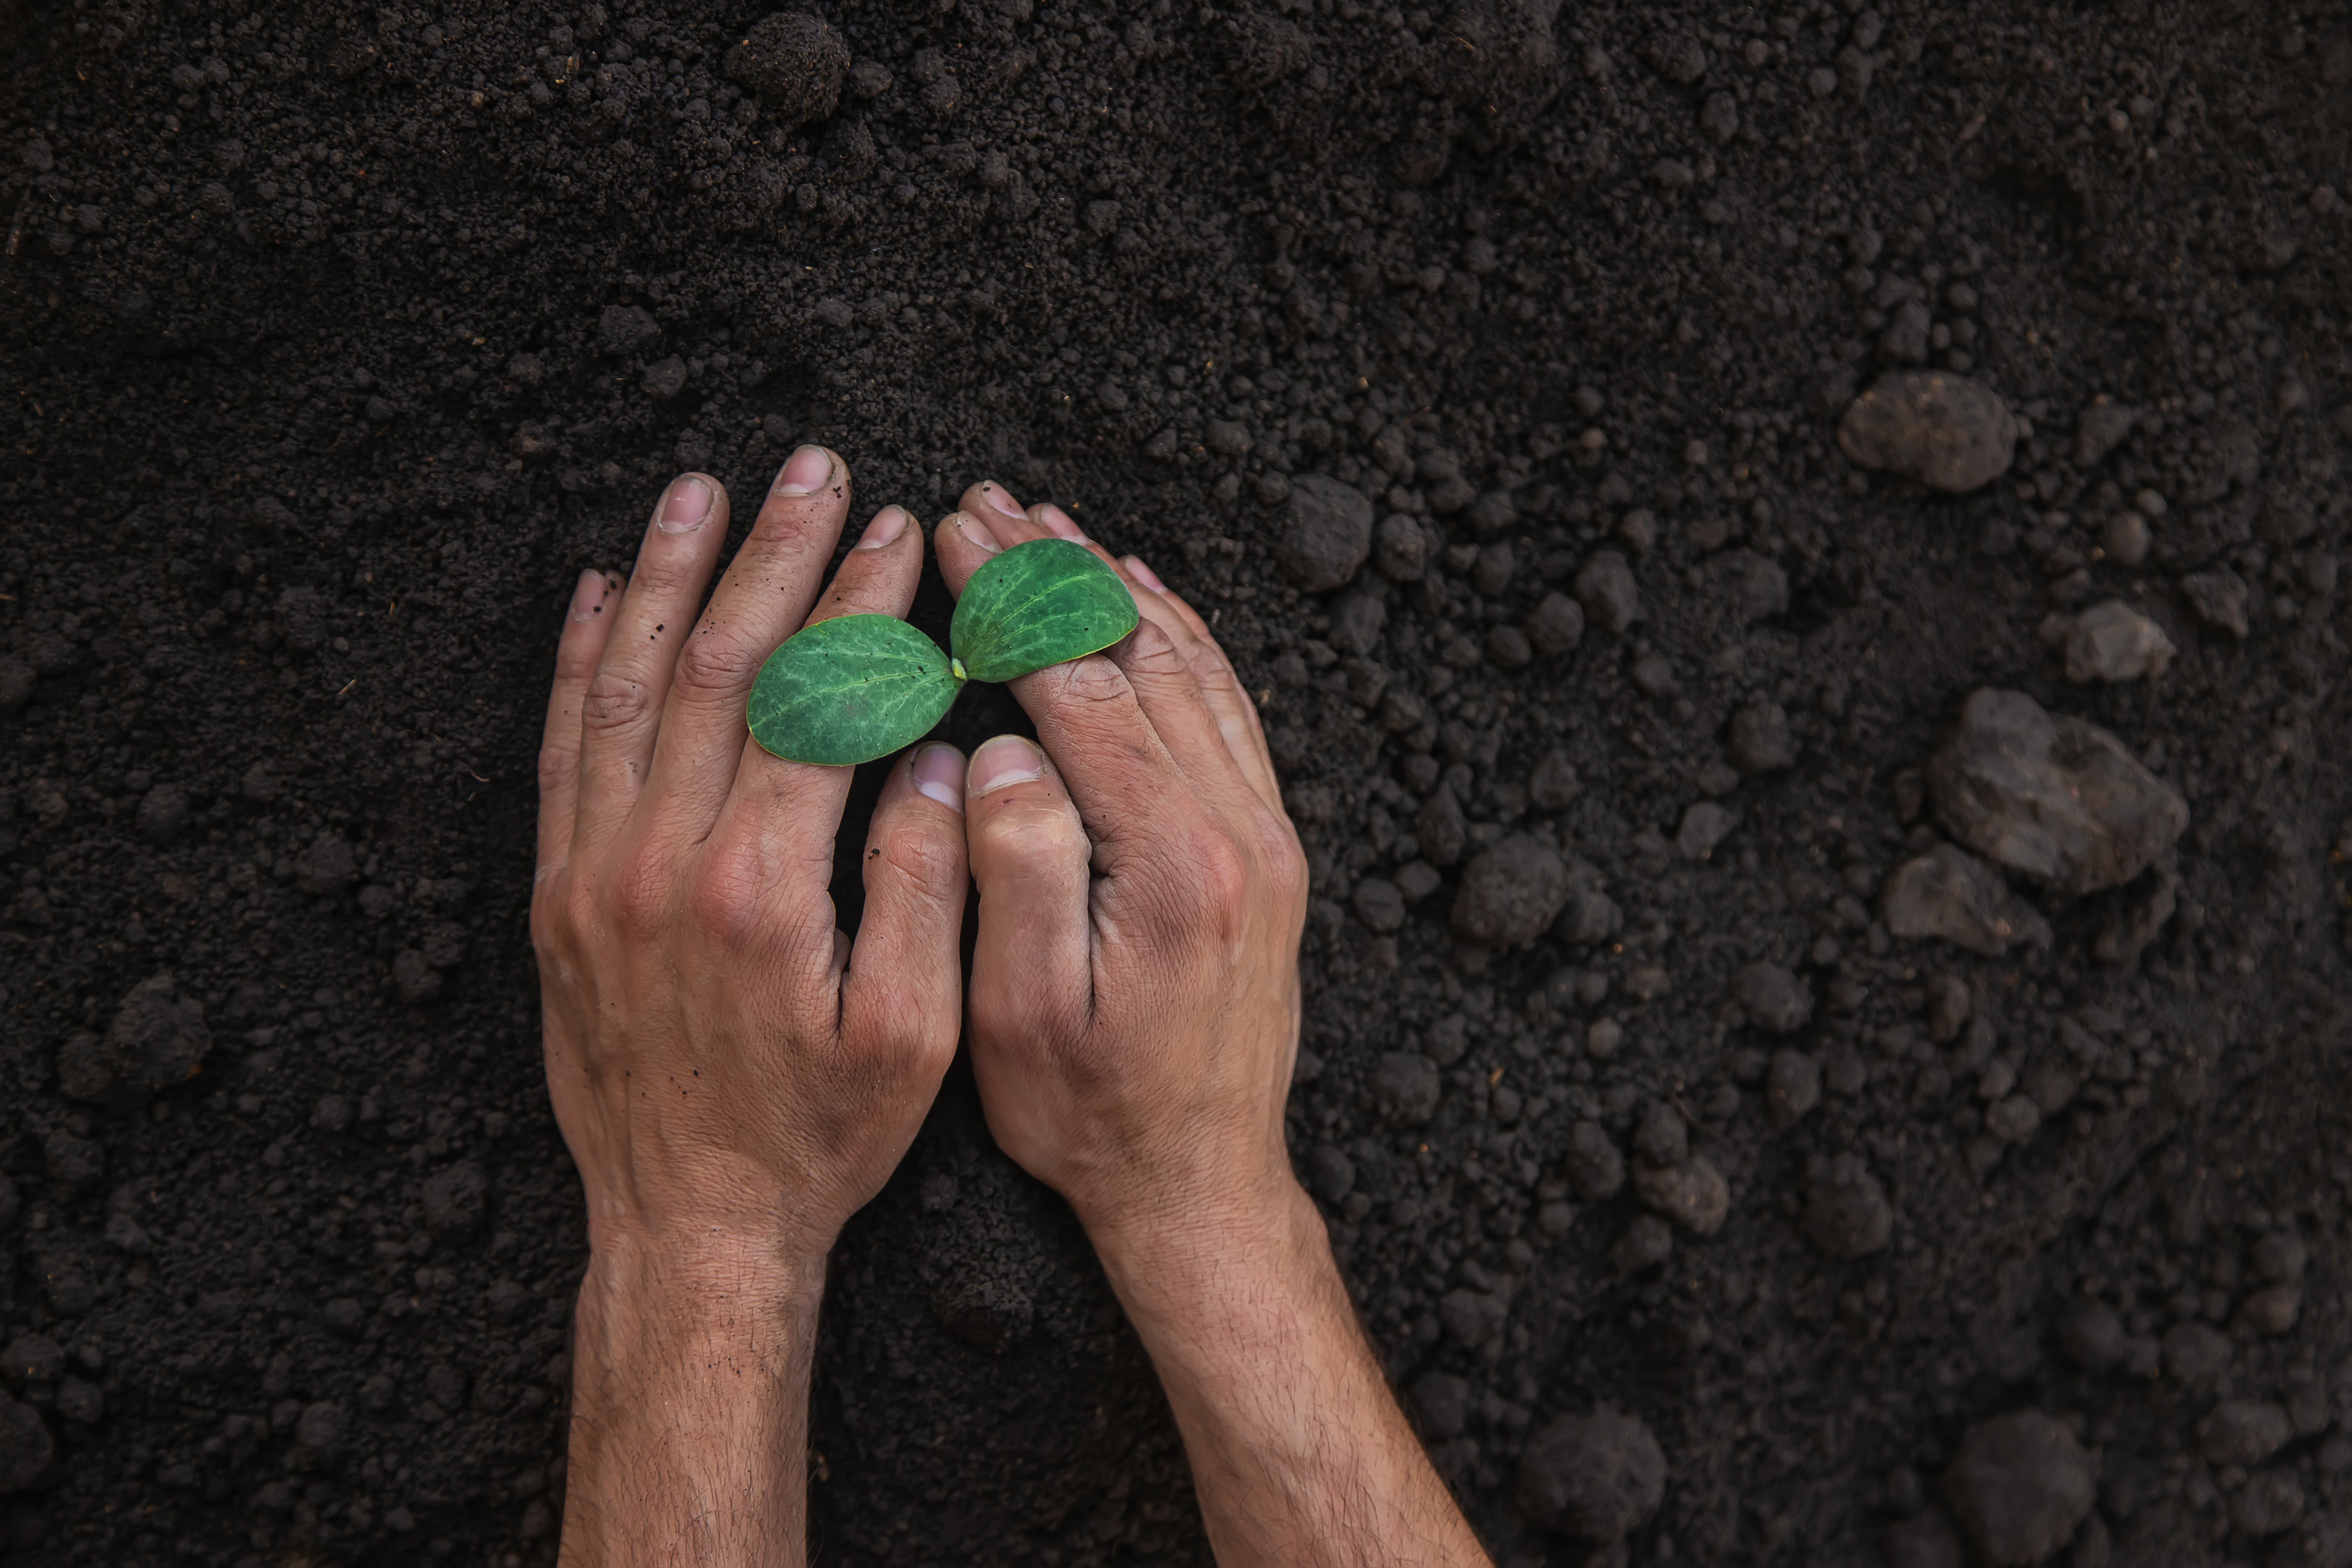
<point x="1770" y="1108"/>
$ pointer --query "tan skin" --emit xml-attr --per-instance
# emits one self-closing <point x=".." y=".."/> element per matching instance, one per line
<point x="735" y="1078"/>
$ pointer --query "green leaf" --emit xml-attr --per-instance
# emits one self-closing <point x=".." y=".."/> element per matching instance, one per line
<point x="1045" y="602"/>
<point x="850" y="690"/>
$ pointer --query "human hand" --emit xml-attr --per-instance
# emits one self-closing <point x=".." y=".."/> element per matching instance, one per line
<point x="734" y="1078"/>
<point x="1134" y="1019"/>
<point x="1133" y="1029"/>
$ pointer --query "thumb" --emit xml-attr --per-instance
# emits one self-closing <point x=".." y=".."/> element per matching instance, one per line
<point x="904" y="986"/>
<point x="1032" y="966"/>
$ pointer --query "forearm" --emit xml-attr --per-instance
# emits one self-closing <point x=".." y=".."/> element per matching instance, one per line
<point x="689" y="1414"/>
<point x="1299" y="1450"/>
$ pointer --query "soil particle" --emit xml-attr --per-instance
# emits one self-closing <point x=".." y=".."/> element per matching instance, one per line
<point x="1950" y="893"/>
<point x="2113" y="642"/>
<point x="2244" y="1432"/>
<point x="1597" y="1476"/>
<point x="1405" y="1087"/>
<point x="1400" y="548"/>
<point x="1594" y="1166"/>
<point x="1693" y="1195"/>
<point x="1772" y="998"/>
<point x="1928" y="1541"/>
<point x="1510" y="893"/>
<point x="158" y="1039"/>
<point x="1792" y="1087"/>
<point x="163" y="813"/>
<point x="1759" y="740"/>
<point x="1607" y="590"/>
<point x="2220" y="599"/>
<point x="2269" y="1503"/>
<point x="2020" y="1485"/>
<point x="1948" y="432"/>
<point x="2054" y="797"/>
<point x="793" y="62"/>
<point x="25" y="1446"/>
<point x="1847" y="1214"/>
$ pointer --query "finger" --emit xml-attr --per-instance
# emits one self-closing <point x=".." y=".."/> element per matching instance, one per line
<point x="1221" y="689"/>
<point x="585" y="626"/>
<point x="904" y="987"/>
<point x="1033" y="962"/>
<point x="803" y="801"/>
<point x="987" y="521"/>
<point x="762" y="600"/>
<point x="622" y="711"/>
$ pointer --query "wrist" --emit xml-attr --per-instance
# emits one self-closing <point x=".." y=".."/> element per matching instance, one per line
<point x="1191" y="1279"/>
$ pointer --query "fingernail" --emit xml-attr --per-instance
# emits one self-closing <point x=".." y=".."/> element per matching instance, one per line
<point x="1007" y="760"/>
<point x="1058" y="520"/>
<point x="976" y="531"/>
<point x="998" y="501"/>
<point x="1145" y="574"/>
<point x="884" y="530"/>
<point x="686" y="508"/>
<point x="587" y="596"/>
<point x="937" y="771"/>
<point x="804" y="472"/>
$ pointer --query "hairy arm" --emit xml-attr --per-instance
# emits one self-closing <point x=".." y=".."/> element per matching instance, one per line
<point x="1299" y="1453"/>
<point x="690" y="1423"/>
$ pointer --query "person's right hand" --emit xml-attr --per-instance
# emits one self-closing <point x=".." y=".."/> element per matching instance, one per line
<point x="1134" y="992"/>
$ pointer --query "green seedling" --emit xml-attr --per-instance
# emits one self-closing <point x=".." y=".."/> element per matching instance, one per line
<point x="860" y="687"/>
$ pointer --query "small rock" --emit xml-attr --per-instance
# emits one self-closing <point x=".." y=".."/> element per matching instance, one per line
<point x="794" y="63"/>
<point x="1330" y="1172"/>
<point x="2244" y="1432"/>
<point x="2052" y="796"/>
<point x="1648" y="1241"/>
<point x="1608" y="592"/>
<point x="2014" y="1118"/>
<point x="1378" y="904"/>
<point x="158" y="1037"/>
<point x="1400" y="549"/>
<point x="1758" y="739"/>
<point x="2115" y="642"/>
<point x="1928" y="1541"/>
<point x="1662" y="1138"/>
<point x="2125" y="539"/>
<point x="1588" y="914"/>
<point x="33" y="1358"/>
<point x="414" y="976"/>
<point x="1325" y="532"/>
<point x="2219" y="597"/>
<point x="1593" y="1165"/>
<point x="163" y="813"/>
<point x="1557" y="625"/>
<point x="2100" y="430"/>
<point x="2268" y="1504"/>
<point x="624" y="330"/>
<point x="2020" y="1486"/>
<point x="1405" y="1087"/>
<point x="1950" y="893"/>
<point x="1441" y="828"/>
<point x="2196" y="1356"/>
<point x="1443" y="1402"/>
<point x="2273" y="1310"/>
<point x="1473" y="1317"/>
<point x="17" y="681"/>
<point x="1357" y="621"/>
<point x="1693" y="1195"/>
<point x="1946" y="431"/>
<point x="1847" y="1214"/>
<point x="664" y="379"/>
<point x="1597" y="1476"/>
<point x="1774" y="999"/>
<point x="454" y="1197"/>
<point x="328" y="866"/>
<point x="2092" y="1332"/>
<point x="79" y="1402"/>
<point x="1510" y="892"/>
<point x="1554" y="783"/>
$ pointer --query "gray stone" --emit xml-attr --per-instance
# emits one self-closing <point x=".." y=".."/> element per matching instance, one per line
<point x="1510" y="892"/>
<point x="627" y="329"/>
<point x="453" y="1198"/>
<point x="2112" y="642"/>
<point x="1326" y="532"/>
<point x="1400" y="549"/>
<point x="1597" y="1476"/>
<point x="163" y="813"/>
<point x="1594" y="1166"/>
<point x="1759" y="741"/>
<point x="2020" y="1486"/>
<point x="1473" y="1317"/>
<point x="2101" y="428"/>
<point x="1946" y="431"/>
<point x="1443" y="1402"/>
<point x="1792" y="1087"/>
<point x="328" y="866"/>
<point x="1950" y="893"/>
<point x="1555" y="625"/>
<point x="2268" y="1504"/>
<point x="1608" y="592"/>
<point x="25" y="1446"/>
<point x="1357" y="622"/>
<point x="1378" y="904"/>
<point x="1706" y="823"/>
<point x="2219" y="597"/>
<point x="2050" y="796"/>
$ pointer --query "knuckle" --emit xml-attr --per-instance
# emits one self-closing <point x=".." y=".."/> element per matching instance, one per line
<point x="927" y="862"/>
<point x="1034" y="833"/>
<point x="724" y="898"/>
<point x="637" y="896"/>
<point x="1092" y="683"/>
<point x="557" y="763"/>
<point x="713" y="663"/>
<point x="615" y="703"/>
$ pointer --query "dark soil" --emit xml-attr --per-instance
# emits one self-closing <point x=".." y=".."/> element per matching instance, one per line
<point x="337" y="339"/>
